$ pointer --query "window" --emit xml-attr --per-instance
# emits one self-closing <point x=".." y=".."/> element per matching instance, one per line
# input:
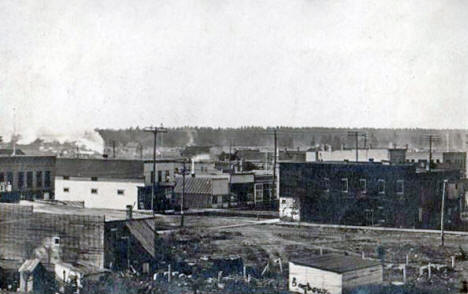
<point x="363" y="185"/>
<point x="258" y="190"/>
<point x="152" y="177"/>
<point x="57" y="240"/>
<point x="66" y="190"/>
<point x="94" y="179"/>
<point x="94" y="191"/>
<point x="344" y="185"/>
<point x="29" y="179"/>
<point x="2" y="177"/>
<point x="10" y="178"/>
<point x="145" y="267"/>
<point x="400" y="187"/>
<point x="20" y="180"/>
<point x="381" y="186"/>
<point x="176" y="170"/>
<point x="39" y="179"/>
<point x="214" y="200"/>
<point x="47" y="179"/>
<point x="159" y="176"/>
<point x="326" y="184"/>
<point x="167" y="176"/>
<point x="66" y="177"/>
<point x="120" y="192"/>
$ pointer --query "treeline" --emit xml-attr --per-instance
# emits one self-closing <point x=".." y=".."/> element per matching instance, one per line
<point x="289" y="137"/>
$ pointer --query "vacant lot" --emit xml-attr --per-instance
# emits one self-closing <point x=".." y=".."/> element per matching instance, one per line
<point x="261" y="244"/>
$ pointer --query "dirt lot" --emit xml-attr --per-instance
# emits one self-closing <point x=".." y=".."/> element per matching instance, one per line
<point x="260" y="244"/>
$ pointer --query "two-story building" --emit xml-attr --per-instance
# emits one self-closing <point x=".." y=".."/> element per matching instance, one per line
<point x="365" y="193"/>
<point x="26" y="177"/>
<point x="99" y="183"/>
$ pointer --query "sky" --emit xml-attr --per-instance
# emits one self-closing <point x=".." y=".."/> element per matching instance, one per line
<point x="70" y="66"/>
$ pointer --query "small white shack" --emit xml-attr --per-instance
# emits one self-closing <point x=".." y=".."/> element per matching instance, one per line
<point x="332" y="274"/>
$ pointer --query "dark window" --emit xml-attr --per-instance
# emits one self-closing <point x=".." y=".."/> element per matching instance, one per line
<point x="400" y="186"/>
<point x="176" y="170"/>
<point x="344" y="185"/>
<point x="2" y="177"/>
<point x="120" y="192"/>
<point x="20" y="180"/>
<point x="326" y="184"/>
<point x="167" y="176"/>
<point x="94" y="191"/>
<point x="66" y="190"/>
<point x="152" y="177"/>
<point x="94" y="179"/>
<point x="47" y="179"/>
<point x="381" y="186"/>
<point x="159" y="176"/>
<point x="10" y="178"/>
<point x="66" y="177"/>
<point x="29" y="179"/>
<point x="363" y="185"/>
<point x="39" y="179"/>
<point x="214" y="200"/>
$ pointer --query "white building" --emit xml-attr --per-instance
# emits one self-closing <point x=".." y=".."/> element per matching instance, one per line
<point x="111" y="184"/>
<point x="333" y="273"/>
<point x="396" y="155"/>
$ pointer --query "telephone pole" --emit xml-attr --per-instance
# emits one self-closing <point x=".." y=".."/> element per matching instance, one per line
<point x="356" y="136"/>
<point x="183" y="196"/>
<point x="155" y="131"/>
<point x="432" y="139"/>
<point x="442" y="210"/>
<point x="275" y="155"/>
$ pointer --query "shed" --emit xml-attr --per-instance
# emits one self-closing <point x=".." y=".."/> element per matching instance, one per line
<point x="333" y="273"/>
<point x="33" y="276"/>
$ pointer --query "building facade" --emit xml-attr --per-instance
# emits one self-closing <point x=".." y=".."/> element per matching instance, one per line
<point x="111" y="184"/>
<point x="365" y="194"/>
<point x="26" y="177"/>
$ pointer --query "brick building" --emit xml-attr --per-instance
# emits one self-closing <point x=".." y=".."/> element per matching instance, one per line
<point x="366" y="193"/>
<point x="26" y="177"/>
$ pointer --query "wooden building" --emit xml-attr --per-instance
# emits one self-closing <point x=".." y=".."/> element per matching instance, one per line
<point x="333" y="274"/>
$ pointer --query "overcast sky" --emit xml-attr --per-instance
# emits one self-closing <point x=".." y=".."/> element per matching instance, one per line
<point x="75" y="65"/>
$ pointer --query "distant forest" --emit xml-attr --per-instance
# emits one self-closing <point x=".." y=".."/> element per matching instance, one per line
<point x="289" y="137"/>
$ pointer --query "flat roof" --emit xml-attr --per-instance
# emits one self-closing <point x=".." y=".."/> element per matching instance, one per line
<point x="57" y="208"/>
<point x="104" y="168"/>
<point x="336" y="263"/>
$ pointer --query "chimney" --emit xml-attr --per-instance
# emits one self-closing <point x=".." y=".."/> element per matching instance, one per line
<point x="129" y="211"/>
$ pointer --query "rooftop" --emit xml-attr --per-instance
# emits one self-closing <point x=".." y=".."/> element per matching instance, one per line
<point x="336" y="263"/>
<point x="105" y="168"/>
<point x="9" y="152"/>
<point x="194" y="185"/>
<point x="58" y="208"/>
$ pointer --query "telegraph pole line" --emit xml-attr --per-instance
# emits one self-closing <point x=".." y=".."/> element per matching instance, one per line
<point x="155" y="131"/>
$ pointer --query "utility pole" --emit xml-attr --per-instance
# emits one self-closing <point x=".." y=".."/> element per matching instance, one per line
<point x="113" y="149"/>
<point x="275" y="155"/>
<point x="356" y="136"/>
<point x="442" y="210"/>
<point x="431" y="139"/>
<point x="183" y="196"/>
<point x="155" y="131"/>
